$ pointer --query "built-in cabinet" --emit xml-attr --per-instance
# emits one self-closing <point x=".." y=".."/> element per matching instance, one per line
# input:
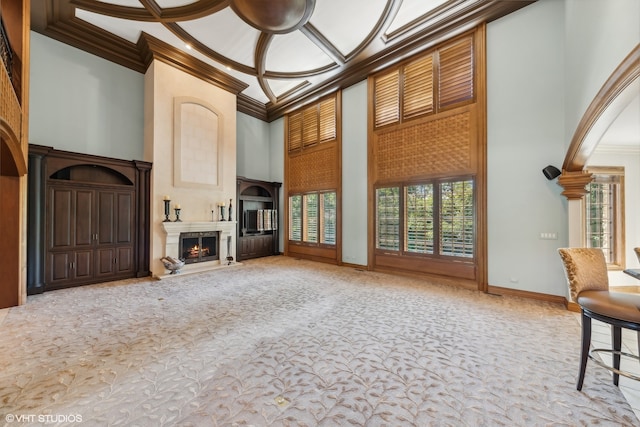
<point x="91" y="234"/>
<point x="257" y="218"/>
<point x="88" y="219"/>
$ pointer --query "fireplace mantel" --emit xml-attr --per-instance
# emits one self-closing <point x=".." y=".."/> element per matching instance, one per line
<point x="173" y="230"/>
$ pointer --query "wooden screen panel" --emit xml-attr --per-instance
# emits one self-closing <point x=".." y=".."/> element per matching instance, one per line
<point x="315" y="170"/>
<point x="455" y="78"/>
<point x="430" y="148"/>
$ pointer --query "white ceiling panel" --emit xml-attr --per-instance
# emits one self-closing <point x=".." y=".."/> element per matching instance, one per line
<point x="412" y="9"/>
<point x="278" y="87"/>
<point x="128" y="30"/>
<point x="129" y="3"/>
<point x="295" y="52"/>
<point x="346" y="29"/>
<point x="173" y="3"/>
<point x="225" y="33"/>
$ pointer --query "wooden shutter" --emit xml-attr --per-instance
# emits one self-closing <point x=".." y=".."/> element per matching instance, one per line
<point x="455" y="79"/>
<point x="418" y="88"/>
<point x="310" y="126"/>
<point x="387" y="98"/>
<point x="328" y="120"/>
<point x="295" y="131"/>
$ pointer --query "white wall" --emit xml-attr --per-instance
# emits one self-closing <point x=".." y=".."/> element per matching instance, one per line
<point x="599" y="35"/>
<point x="82" y="103"/>
<point x="254" y="148"/>
<point x="354" y="174"/>
<point x="276" y="140"/>
<point x="525" y="122"/>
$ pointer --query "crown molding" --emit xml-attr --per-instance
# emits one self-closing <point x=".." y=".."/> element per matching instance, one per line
<point x="152" y="48"/>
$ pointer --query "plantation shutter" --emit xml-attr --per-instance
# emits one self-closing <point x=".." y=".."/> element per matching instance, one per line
<point x="418" y="88"/>
<point x="455" y="79"/>
<point x="328" y="120"/>
<point x="310" y="126"/>
<point x="295" y="131"/>
<point x="387" y="98"/>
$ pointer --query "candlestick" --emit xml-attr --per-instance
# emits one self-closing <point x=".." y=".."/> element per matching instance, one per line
<point x="167" y="210"/>
<point x="222" y="212"/>
<point x="230" y="211"/>
<point x="177" y="210"/>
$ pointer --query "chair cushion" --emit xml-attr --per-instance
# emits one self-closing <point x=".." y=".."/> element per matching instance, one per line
<point x="618" y="305"/>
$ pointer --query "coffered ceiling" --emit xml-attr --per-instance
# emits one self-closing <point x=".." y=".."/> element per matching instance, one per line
<point x="274" y="54"/>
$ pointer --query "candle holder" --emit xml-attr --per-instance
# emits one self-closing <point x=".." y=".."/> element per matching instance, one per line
<point x="222" y="213"/>
<point x="230" y="210"/>
<point x="177" y="210"/>
<point x="167" y="211"/>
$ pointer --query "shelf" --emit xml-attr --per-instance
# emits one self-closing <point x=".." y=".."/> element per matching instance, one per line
<point x="256" y="199"/>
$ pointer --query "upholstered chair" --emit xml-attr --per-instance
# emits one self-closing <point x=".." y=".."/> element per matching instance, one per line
<point x="637" y="250"/>
<point x="586" y="272"/>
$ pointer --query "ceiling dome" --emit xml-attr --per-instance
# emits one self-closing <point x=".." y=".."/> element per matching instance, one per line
<point x="274" y="16"/>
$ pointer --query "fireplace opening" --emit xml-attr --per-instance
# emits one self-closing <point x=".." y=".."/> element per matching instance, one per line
<point x="199" y="246"/>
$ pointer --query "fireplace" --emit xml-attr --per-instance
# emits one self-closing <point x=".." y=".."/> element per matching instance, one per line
<point x="199" y="246"/>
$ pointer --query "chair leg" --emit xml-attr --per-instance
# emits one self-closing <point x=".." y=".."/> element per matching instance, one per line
<point x="616" y="340"/>
<point x="584" y="353"/>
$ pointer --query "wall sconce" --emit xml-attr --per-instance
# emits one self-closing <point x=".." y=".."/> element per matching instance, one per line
<point x="551" y="172"/>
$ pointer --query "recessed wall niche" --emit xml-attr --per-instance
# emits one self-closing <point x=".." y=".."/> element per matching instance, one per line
<point x="197" y="161"/>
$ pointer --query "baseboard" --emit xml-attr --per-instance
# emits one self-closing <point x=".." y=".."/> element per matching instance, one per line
<point x="497" y="290"/>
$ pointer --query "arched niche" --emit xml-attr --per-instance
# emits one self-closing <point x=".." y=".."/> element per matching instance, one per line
<point x="91" y="173"/>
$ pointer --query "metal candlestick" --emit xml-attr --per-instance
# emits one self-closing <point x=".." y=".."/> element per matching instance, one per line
<point x="167" y="211"/>
<point x="177" y="215"/>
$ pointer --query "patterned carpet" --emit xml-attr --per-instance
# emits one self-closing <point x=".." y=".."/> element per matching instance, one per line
<point x="283" y="342"/>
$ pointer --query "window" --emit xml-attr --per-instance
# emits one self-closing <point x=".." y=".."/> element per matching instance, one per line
<point x="312" y="218"/>
<point x="438" y="218"/>
<point x="604" y="222"/>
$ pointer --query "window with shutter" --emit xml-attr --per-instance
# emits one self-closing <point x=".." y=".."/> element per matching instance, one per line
<point x="418" y="88"/>
<point x="295" y="131"/>
<point x="419" y="219"/>
<point x="310" y="126"/>
<point x="388" y="218"/>
<point x="387" y="98"/>
<point x="295" y="218"/>
<point x="328" y="120"/>
<point x="328" y="218"/>
<point x="455" y="78"/>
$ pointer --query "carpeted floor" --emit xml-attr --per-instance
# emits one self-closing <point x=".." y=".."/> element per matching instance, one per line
<point x="283" y="342"/>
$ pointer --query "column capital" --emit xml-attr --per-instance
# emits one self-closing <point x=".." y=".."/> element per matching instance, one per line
<point x="574" y="183"/>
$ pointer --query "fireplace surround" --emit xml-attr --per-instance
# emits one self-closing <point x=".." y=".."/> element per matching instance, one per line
<point x="222" y="230"/>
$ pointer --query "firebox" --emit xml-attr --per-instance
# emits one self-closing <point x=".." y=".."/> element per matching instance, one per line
<point x="199" y="246"/>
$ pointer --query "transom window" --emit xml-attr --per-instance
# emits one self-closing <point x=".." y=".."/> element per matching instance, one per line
<point x="437" y="218"/>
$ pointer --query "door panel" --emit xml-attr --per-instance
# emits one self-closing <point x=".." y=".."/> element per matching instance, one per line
<point x="59" y="269"/>
<point x="125" y="259"/>
<point x="84" y="217"/>
<point x="83" y="264"/>
<point x="105" y="213"/>
<point x="125" y="218"/>
<point x="61" y="218"/>
<point x="105" y="262"/>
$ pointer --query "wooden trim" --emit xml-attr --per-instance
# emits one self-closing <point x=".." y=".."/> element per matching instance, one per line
<point x="555" y="299"/>
<point x="574" y="183"/>
<point x="155" y="49"/>
<point x="620" y="88"/>
<point x="251" y="107"/>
